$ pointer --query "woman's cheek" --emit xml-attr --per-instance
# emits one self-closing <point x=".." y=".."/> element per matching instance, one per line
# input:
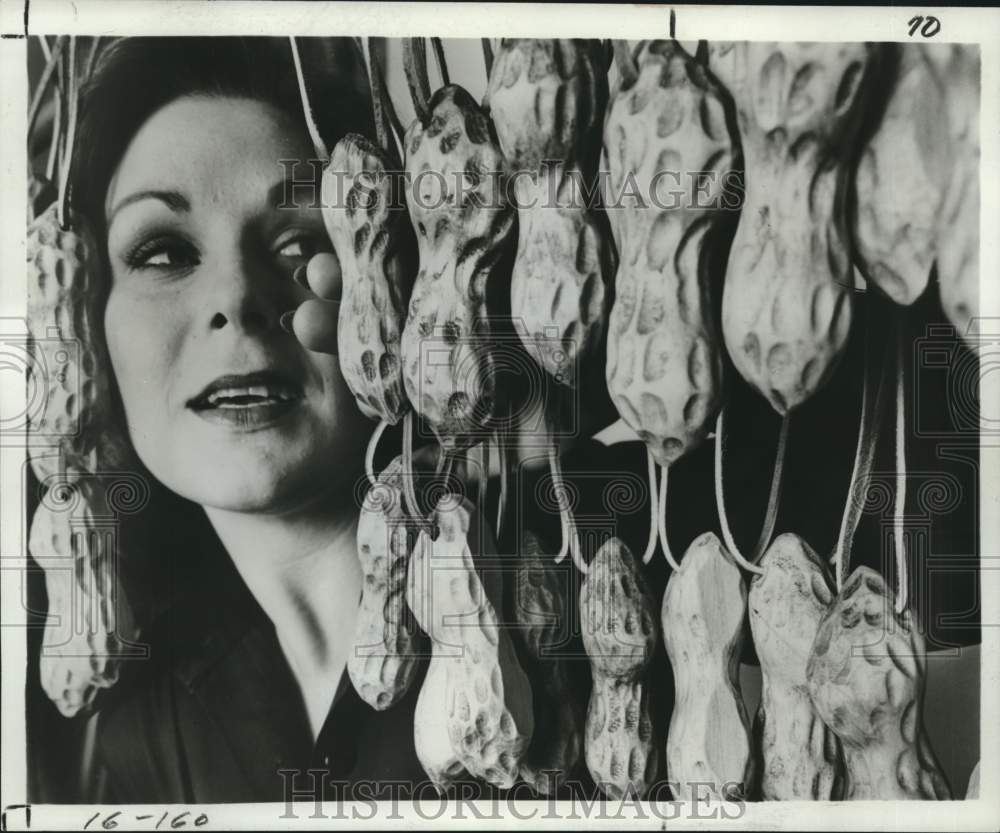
<point x="141" y="337"/>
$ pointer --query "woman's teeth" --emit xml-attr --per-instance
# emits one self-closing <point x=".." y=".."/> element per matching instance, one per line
<point x="244" y="397"/>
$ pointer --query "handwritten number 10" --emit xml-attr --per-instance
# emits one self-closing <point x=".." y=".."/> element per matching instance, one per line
<point x="928" y="26"/>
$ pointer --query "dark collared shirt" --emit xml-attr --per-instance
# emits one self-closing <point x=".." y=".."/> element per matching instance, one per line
<point x="215" y="715"/>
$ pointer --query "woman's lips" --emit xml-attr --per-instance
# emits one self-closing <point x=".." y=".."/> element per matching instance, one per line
<point x="249" y="415"/>
<point x="248" y="401"/>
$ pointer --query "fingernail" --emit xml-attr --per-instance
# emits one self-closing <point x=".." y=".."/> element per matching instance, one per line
<point x="286" y="321"/>
<point x="299" y="276"/>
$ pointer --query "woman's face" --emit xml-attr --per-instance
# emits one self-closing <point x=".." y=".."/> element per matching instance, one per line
<point x="202" y="258"/>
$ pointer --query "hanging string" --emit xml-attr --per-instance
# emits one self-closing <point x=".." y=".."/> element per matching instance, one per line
<point x="488" y="57"/>
<point x="653" y="504"/>
<point x="409" y="473"/>
<point x="375" y="49"/>
<point x="869" y="427"/>
<point x="370" y="452"/>
<point x="570" y="538"/>
<point x="440" y="61"/>
<point x="57" y="117"/>
<point x="45" y="83"/>
<point x="504" y="463"/>
<point x="484" y="468"/>
<point x="774" y="497"/>
<point x="720" y="502"/>
<point x="318" y="145"/>
<point x="66" y="159"/>
<point x="415" y="68"/>
<point x="899" y="510"/>
<point x="95" y="49"/>
<point x="662" y="521"/>
<point x="382" y="126"/>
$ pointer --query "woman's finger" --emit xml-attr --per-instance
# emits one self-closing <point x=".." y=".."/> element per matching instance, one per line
<point x="315" y="325"/>
<point x="324" y="277"/>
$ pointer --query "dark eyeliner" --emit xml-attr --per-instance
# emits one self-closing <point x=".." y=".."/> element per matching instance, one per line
<point x="137" y="255"/>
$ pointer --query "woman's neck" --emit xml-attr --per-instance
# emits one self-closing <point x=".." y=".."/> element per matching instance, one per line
<point x="303" y="570"/>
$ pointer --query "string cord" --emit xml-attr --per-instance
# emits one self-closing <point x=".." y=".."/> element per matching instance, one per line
<point x="370" y="452"/>
<point x="661" y="516"/>
<point x="653" y="504"/>
<point x="899" y="509"/>
<point x="767" y="529"/>
<point x="869" y="427"/>
<point x="318" y="144"/>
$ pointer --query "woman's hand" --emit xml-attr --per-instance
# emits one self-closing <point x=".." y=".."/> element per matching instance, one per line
<point x="314" y="322"/>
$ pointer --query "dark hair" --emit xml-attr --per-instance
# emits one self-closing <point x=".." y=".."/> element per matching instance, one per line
<point x="135" y="77"/>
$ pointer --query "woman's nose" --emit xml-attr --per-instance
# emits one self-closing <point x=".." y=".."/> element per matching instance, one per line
<point x="249" y="296"/>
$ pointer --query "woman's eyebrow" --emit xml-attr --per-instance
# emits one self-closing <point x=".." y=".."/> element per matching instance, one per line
<point x="174" y="200"/>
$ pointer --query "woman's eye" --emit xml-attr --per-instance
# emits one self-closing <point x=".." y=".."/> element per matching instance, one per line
<point x="303" y="247"/>
<point x="162" y="254"/>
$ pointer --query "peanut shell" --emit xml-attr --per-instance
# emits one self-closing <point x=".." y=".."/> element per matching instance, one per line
<point x="901" y="180"/>
<point x="801" y="759"/>
<point x="430" y="730"/>
<point x="786" y="308"/>
<point x="866" y="678"/>
<point x="67" y="366"/>
<point x="89" y="618"/>
<point x="958" y="71"/>
<point x="487" y="701"/>
<point x="664" y="361"/>
<point x="465" y="237"/>
<point x="619" y="636"/>
<point x="365" y="216"/>
<point x="704" y="608"/>
<point x="387" y="645"/>
<point x="547" y="99"/>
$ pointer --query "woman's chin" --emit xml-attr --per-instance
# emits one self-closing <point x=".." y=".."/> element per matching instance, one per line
<point x="260" y="471"/>
<point x="259" y="490"/>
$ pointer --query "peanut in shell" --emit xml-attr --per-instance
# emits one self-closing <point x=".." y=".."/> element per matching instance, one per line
<point x="704" y="609"/>
<point x="365" y="216"/>
<point x="73" y="380"/>
<point x="958" y="71"/>
<point x="866" y="676"/>
<point x="465" y="237"/>
<point x="664" y="361"/>
<point x="786" y="307"/>
<point x="387" y="645"/>
<point x="619" y="636"/>
<point x="486" y="708"/>
<point x="799" y="755"/>
<point x="901" y="180"/>
<point x="547" y="99"/>
<point x="81" y="580"/>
